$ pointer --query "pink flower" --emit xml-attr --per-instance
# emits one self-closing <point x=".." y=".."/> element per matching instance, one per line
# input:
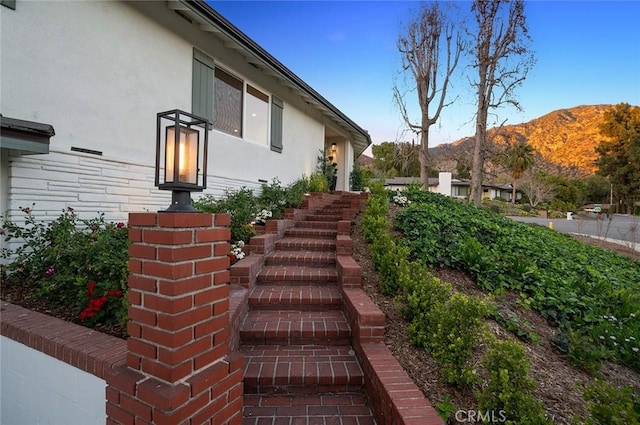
<point x="49" y="271"/>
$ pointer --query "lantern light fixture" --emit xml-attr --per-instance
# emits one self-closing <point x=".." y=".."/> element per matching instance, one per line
<point x="334" y="148"/>
<point x="182" y="141"/>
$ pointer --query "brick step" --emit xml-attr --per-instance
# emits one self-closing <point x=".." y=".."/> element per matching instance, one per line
<point x="324" y="217"/>
<point x="299" y="409"/>
<point x="308" y="232"/>
<point x="311" y="369"/>
<point x="297" y="275"/>
<point x="316" y="298"/>
<point x="301" y="258"/>
<point x="317" y="224"/>
<point x="330" y="210"/>
<point x="287" y="327"/>
<point x="305" y="244"/>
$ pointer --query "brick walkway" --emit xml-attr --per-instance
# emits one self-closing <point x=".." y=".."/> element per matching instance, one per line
<point x="300" y="367"/>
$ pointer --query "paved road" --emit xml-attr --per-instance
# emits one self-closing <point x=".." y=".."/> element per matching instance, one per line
<point x="622" y="228"/>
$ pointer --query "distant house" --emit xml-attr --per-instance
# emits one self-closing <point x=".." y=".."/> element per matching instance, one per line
<point x="446" y="184"/>
<point x="501" y="191"/>
<point x="82" y="83"/>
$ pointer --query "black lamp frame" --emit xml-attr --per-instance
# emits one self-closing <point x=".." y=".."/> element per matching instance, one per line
<point x="181" y="191"/>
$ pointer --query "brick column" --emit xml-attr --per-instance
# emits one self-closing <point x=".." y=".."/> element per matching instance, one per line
<point x="179" y="369"/>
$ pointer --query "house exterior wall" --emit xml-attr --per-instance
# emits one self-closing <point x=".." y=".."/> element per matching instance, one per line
<point x="99" y="72"/>
<point x="444" y="183"/>
<point x="39" y="389"/>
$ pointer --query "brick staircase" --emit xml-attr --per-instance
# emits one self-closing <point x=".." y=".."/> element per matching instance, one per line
<point x="311" y="338"/>
<point x="300" y="365"/>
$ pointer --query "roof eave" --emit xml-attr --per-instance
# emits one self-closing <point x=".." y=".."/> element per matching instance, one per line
<point x="359" y="136"/>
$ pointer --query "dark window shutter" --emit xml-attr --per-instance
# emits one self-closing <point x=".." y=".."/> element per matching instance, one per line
<point x="202" y="86"/>
<point x="11" y="4"/>
<point x="277" y="107"/>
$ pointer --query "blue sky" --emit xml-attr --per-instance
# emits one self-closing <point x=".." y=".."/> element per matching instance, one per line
<point x="587" y="52"/>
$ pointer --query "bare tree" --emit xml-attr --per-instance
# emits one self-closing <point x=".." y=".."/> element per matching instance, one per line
<point x="427" y="42"/>
<point x="537" y="188"/>
<point x="503" y="59"/>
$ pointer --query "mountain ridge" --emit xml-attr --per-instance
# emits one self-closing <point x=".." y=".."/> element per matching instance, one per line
<point x="565" y="140"/>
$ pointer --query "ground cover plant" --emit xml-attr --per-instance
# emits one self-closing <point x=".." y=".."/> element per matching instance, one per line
<point x="449" y="325"/>
<point x="592" y="295"/>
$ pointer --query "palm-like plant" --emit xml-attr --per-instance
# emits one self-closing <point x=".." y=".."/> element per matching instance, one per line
<point x="518" y="158"/>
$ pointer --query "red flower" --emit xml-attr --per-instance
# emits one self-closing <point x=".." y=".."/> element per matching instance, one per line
<point x="233" y="257"/>
<point x="92" y="287"/>
<point x="120" y="225"/>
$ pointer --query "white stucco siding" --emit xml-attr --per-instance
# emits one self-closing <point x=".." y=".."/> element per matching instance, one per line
<point x="38" y="389"/>
<point x="99" y="72"/>
<point x="302" y="143"/>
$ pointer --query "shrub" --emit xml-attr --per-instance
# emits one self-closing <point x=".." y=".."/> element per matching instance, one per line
<point x="508" y="390"/>
<point x="454" y="329"/>
<point x="273" y="198"/>
<point x="358" y="179"/>
<point x="103" y="305"/>
<point x="374" y="221"/>
<point x="387" y="255"/>
<point x="318" y="183"/>
<point x="59" y="259"/>
<point x="377" y="188"/>
<point x="296" y="191"/>
<point x="241" y="204"/>
<point x="419" y="290"/>
<point x="609" y="406"/>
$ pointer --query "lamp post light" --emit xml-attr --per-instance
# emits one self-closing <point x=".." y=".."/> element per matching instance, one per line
<point x="181" y="160"/>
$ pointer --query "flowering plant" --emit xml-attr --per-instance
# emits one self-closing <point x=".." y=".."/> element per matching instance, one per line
<point x="401" y="200"/>
<point x="102" y="305"/>
<point x="263" y="216"/>
<point x="236" y="253"/>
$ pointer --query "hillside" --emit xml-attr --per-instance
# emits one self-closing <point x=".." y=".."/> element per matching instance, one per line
<point x="565" y="139"/>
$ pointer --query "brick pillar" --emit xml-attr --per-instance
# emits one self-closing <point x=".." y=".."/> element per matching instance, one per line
<point x="179" y="369"/>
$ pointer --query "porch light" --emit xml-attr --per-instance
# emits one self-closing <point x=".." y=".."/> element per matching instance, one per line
<point x="181" y="160"/>
<point x="334" y="147"/>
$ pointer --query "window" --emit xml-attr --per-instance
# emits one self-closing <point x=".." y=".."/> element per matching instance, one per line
<point x="460" y="191"/>
<point x="220" y="97"/>
<point x="257" y="124"/>
<point x="227" y="103"/>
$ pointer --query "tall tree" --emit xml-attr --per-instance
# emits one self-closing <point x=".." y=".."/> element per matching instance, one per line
<point x="429" y="52"/>
<point x="619" y="155"/>
<point x="396" y="159"/>
<point x="517" y="158"/>
<point x="503" y="59"/>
